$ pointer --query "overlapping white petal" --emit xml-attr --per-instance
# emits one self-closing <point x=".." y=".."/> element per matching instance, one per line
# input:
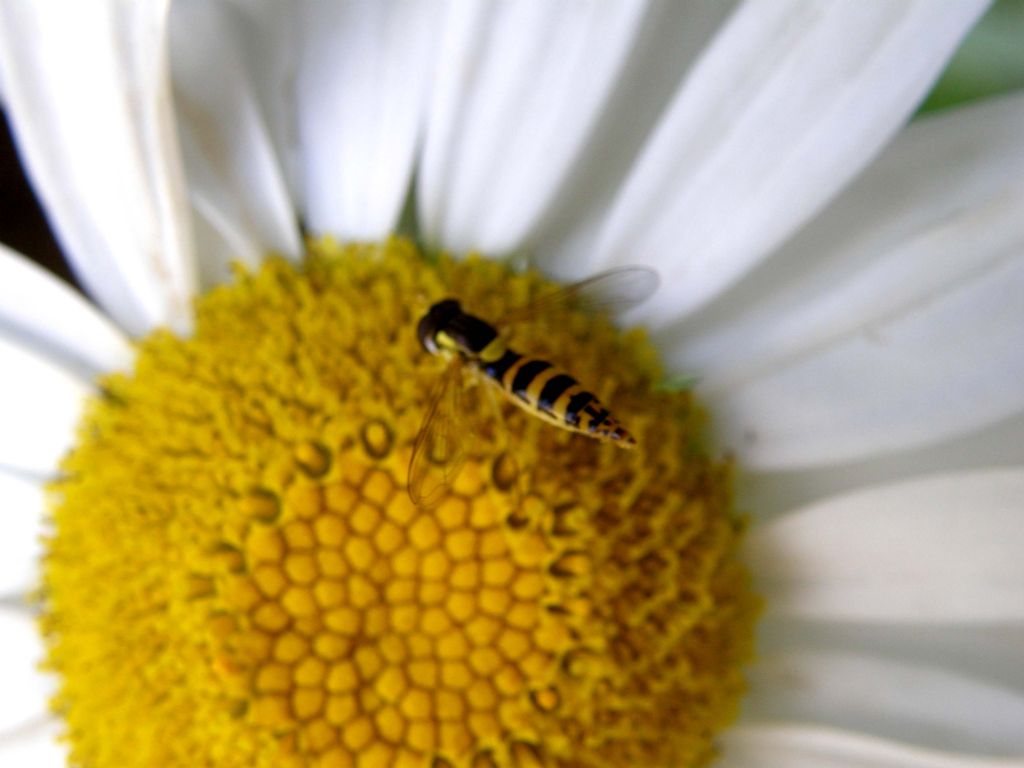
<point x="25" y="691"/>
<point x="815" y="88"/>
<point x="941" y="204"/>
<point x="519" y="89"/>
<point x="945" y="366"/>
<point x="40" y="311"/>
<point x="988" y="653"/>
<point x="362" y="86"/>
<point x="34" y="747"/>
<point x="915" y="703"/>
<point x="20" y="547"/>
<point x="269" y="35"/>
<point x="40" y="403"/>
<point x="210" y="232"/>
<point x="769" y="493"/>
<point x="936" y="549"/>
<point x="672" y="35"/>
<point x="87" y="93"/>
<point x="796" y="745"/>
<point x="235" y="179"/>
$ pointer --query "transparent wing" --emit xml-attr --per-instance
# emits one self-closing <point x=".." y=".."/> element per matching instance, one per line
<point x="439" y="452"/>
<point x="505" y="472"/>
<point x="613" y="291"/>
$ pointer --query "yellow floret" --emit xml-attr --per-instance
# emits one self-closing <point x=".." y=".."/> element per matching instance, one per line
<point x="238" y="578"/>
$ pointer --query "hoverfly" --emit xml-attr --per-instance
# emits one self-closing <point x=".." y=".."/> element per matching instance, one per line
<point x="472" y="344"/>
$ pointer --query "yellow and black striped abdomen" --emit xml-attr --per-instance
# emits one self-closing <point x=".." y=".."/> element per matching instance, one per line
<point x="545" y="391"/>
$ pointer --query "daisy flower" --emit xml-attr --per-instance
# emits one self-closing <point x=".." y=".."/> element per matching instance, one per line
<point x="210" y="461"/>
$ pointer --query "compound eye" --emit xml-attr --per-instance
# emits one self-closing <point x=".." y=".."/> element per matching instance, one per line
<point x="425" y="333"/>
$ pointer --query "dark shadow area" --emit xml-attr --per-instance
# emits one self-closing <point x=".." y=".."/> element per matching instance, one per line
<point x="23" y="225"/>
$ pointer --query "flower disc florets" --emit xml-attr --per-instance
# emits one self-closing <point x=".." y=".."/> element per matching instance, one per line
<point x="237" y="577"/>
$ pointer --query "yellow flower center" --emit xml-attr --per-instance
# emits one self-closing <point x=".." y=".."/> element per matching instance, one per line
<point x="238" y="578"/>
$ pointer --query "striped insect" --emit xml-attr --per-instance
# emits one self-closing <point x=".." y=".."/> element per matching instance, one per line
<point x="477" y="350"/>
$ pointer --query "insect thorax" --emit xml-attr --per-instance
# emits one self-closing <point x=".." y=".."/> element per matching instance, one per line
<point x="447" y="327"/>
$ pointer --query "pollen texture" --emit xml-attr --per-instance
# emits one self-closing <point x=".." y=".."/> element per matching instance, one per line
<point x="236" y="576"/>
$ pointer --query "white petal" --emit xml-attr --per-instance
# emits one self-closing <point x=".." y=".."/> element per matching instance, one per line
<point x="40" y="404"/>
<point x="211" y="232"/>
<point x="34" y="747"/>
<point x="944" y="548"/>
<point x="916" y="703"/>
<point x="21" y="525"/>
<point x="794" y="745"/>
<point x="948" y="365"/>
<point x="790" y="101"/>
<point x="41" y="311"/>
<point x="26" y="691"/>
<point x="233" y="171"/>
<point x="363" y="83"/>
<point x="271" y="43"/>
<point x="672" y="35"/>
<point x="768" y="493"/>
<point x="940" y="205"/>
<point x="88" y="97"/>
<point x="519" y="88"/>
<point x="989" y="653"/>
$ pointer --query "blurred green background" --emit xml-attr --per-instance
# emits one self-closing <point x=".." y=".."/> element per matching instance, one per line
<point x="990" y="61"/>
